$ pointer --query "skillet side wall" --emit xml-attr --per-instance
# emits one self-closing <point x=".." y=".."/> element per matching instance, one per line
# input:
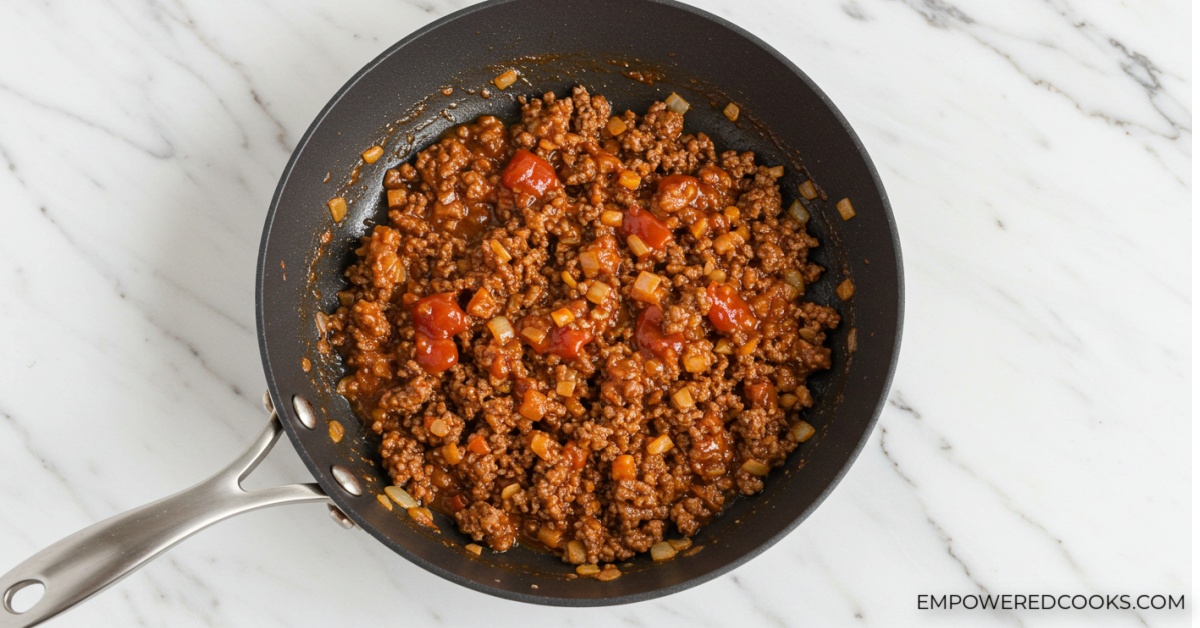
<point x="554" y="51"/>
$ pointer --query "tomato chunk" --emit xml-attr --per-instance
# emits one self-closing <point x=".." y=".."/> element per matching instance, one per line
<point x="729" y="312"/>
<point x="568" y="343"/>
<point x="762" y="394"/>
<point x="435" y="354"/>
<point x="644" y="225"/>
<point x="458" y="502"/>
<point x="530" y="174"/>
<point x="439" y="316"/>
<point x="648" y="334"/>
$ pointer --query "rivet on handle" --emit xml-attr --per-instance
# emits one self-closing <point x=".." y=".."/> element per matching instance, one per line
<point x="305" y="412"/>
<point x="347" y="479"/>
<point x="340" y="517"/>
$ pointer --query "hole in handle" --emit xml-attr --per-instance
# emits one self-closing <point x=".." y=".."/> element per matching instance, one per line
<point x="23" y="596"/>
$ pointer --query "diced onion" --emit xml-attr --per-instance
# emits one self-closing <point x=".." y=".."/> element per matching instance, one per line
<point x="644" y="287"/>
<point x="754" y="467"/>
<point x="794" y="279"/>
<point x="587" y="570"/>
<point x="569" y="280"/>
<point x="533" y="407"/>
<point x="662" y="444"/>
<point x="533" y="334"/>
<point x="506" y="79"/>
<point x="615" y="126"/>
<point x="676" y="104"/>
<point x="401" y="496"/>
<point x="576" y="552"/>
<point x="337" y="208"/>
<point x="372" y="154"/>
<point x="565" y="388"/>
<point x="732" y="111"/>
<point x="510" y="490"/>
<point x="540" y="444"/>
<point x="662" y="551"/>
<point x="799" y="212"/>
<point x="550" y="537"/>
<point x="680" y="544"/>
<point x="695" y="363"/>
<point x="636" y="245"/>
<point x="590" y="263"/>
<point x="421" y="516"/>
<point x="502" y="253"/>
<point x="718" y="275"/>
<point x="749" y="347"/>
<point x="481" y="303"/>
<point x="473" y="548"/>
<point x="609" y="573"/>
<point x="624" y="468"/>
<point x="775" y="172"/>
<point x="383" y="499"/>
<point x="845" y="209"/>
<point x="808" y="335"/>
<point x="501" y="329"/>
<point x="732" y="212"/>
<point x="683" y="399"/>
<point x="562" y="316"/>
<point x="808" y="190"/>
<point x="439" y="428"/>
<point x="598" y="292"/>
<point x="801" y="431"/>
<point x="451" y="453"/>
<point x="396" y="198"/>
<point x="788" y="401"/>
<point x="699" y="228"/>
<point x="845" y="290"/>
<point x="629" y="179"/>
<point x="724" y="347"/>
<point x="612" y="218"/>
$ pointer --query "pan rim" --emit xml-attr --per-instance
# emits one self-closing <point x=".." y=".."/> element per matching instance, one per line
<point x="330" y="486"/>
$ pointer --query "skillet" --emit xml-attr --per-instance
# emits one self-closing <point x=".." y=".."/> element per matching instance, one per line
<point x="633" y="52"/>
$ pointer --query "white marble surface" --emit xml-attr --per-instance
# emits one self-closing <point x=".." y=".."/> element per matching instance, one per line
<point x="1037" y="440"/>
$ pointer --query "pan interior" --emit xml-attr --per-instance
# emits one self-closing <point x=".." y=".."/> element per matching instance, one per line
<point x="400" y="101"/>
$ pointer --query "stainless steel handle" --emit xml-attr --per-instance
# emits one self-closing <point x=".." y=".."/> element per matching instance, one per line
<point x="97" y="557"/>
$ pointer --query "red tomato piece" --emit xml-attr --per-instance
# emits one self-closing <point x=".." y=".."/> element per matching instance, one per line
<point x="728" y="311"/>
<point x="648" y="334"/>
<point x="762" y="394"/>
<point x="567" y="343"/>
<point x="479" y="445"/>
<point x="439" y="316"/>
<point x="644" y="225"/>
<point x="457" y="503"/>
<point x="435" y="354"/>
<point x="530" y="174"/>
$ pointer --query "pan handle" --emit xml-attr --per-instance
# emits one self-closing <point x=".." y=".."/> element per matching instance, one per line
<point x="97" y="557"/>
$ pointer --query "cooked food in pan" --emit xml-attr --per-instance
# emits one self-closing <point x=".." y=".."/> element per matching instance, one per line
<point x="584" y="332"/>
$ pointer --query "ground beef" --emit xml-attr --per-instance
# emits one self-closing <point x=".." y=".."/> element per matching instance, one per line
<point x="582" y="328"/>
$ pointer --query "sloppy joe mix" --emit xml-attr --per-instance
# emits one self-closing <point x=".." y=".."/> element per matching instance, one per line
<point x="585" y="332"/>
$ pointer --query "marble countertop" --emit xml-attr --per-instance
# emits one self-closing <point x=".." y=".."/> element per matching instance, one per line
<point x="1037" y="437"/>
